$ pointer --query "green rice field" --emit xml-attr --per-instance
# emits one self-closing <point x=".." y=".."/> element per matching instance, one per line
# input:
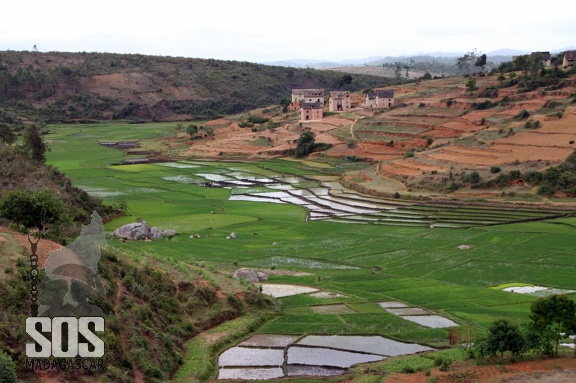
<point x="440" y="257"/>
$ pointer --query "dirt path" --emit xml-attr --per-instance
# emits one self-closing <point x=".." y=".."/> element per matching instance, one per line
<point x="352" y="129"/>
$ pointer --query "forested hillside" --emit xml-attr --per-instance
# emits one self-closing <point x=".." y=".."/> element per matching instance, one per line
<point x="56" y="86"/>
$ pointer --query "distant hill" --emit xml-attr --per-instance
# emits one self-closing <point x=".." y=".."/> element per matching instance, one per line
<point x="58" y="86"/>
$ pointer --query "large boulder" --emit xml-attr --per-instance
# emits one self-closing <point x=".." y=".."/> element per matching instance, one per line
<point x="138" y="231"/>
<point x="156" y="233"/>
<point x="133" y="231"/>
<point x="250" y="275"/>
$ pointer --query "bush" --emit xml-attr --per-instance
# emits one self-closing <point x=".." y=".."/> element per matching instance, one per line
<point x="522" y="115"/>
<point x="532" y="124"/>
<point x="258" y="120"/>
<point x="7" y="369"/>
<point x="489" y="92"/>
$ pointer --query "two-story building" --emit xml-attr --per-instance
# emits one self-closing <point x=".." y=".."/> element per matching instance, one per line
<point x="339" y="101"/>
<point x="546" y="57"/>
<point x="311" y="112"/>
<point x="568" y="59"/>
<point x="309" y="96"/>
<point x="380" y="99"/>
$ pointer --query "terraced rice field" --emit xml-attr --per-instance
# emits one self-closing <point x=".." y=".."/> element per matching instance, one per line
<point x="358" y="251"/>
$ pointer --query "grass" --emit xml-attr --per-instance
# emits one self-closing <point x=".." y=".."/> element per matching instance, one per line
<point x="367" y="263"/>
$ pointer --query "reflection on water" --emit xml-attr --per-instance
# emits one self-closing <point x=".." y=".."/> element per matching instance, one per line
<point x="317" y="356"/>
<point x="245" y="356"/>
<point x="267" y="356"/>
<point x="250" y="373"/>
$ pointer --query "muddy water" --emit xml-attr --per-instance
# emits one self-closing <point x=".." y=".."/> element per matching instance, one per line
<point x="244" y="356"/>
<point x="368" y="344"/>
<point x="267" y="356"/>
<point x="250" y="373"/>
<point x="298" y="370"/>
<point x="317" y="356"/>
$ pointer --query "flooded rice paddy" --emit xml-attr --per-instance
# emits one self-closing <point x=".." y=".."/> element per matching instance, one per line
<point x="539" y="291"/>
<point x="268" y="356"/>
<point x="326" y="199"/>
<point x="417" y="315"/>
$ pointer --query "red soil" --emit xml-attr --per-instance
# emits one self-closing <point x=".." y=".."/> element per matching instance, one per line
<point x="557" y="370"/>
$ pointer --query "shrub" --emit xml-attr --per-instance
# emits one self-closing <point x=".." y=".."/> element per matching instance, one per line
<point x="522" y="115"/>
<point x="489" y="92"/>
<point x="258" y="120"/>
<point x="474" y="177"/>
<point x="7" y="369"/>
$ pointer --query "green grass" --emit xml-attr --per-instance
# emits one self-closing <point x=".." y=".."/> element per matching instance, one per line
<point x="367" y="263"/>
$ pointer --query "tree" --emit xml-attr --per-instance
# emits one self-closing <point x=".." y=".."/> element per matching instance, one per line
<point x="7" y="369"/>
<point x="555" y="313"/>
<point x="502" y="336"/>
<point x="305" y="144"/>
<point x="33" y="143"/>
<point x="481" y="62"/>
<point x="7" y="136"/>
<point x="39" y="209"/>
<point x="284" y="102"/>
<point x="352" y="144"/>
<point x="463" y="63"/>
<point x="501" y="77"/>
<point x="208" y="130"/>
<point x="471" y="84"/>
<point x="192" y="130"/>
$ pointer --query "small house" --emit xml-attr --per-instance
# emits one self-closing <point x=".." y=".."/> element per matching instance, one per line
<point x="546" y="57"/>
<point x="340" y="101"/>
<point x="380" y="99"/>
<point x="309" y="96"/>
<point x="568" y="59"/>
<point x="311" y="112"/>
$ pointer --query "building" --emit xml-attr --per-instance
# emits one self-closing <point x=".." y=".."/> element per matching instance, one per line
<point x="311" y="111"/>
<point x="568" y="59"/>
<point x="339" y="101"/>
<point x="380" y="98"/>
<point x="309" y="96"/>
<point x="546" y="57"/>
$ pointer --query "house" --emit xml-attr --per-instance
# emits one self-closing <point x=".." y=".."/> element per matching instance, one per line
<point x="311" y="111"/>
<point x="309" y="96"/>
<point x="568" y="59"/>
<point x="340" y="101"/>
<point x="380" y="98"/>
<point x="545" y="56"/>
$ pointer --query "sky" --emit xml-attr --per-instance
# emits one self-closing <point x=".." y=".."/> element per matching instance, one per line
<point x="265" y="31"/>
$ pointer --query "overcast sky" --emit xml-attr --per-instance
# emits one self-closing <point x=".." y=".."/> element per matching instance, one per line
<point x="259" y="30"/>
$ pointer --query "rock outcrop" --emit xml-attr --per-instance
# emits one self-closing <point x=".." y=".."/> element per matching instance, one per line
<point x="138" y="231"/>
<point x="250" y="275"/>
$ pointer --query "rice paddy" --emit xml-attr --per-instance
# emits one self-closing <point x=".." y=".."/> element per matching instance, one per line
<point x="368" y="257"/>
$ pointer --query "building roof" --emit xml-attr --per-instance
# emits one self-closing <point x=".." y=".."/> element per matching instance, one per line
<point x="544" y="55"/>
<point x="339" y="94"/>
<point x="380" y="94"/>
<point x="570" y="55"/>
